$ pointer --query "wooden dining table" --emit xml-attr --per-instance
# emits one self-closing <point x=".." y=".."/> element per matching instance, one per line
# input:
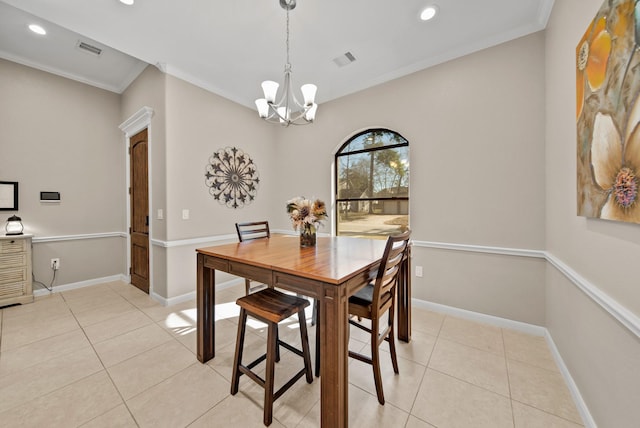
<point x="330" y="272"/>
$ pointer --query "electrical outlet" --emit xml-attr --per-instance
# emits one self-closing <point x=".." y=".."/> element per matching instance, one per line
<point x="419" y="271"/>
<point x="55" y="264"/>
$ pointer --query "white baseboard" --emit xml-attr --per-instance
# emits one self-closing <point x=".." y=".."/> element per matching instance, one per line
<point x="587" y="419"/>
<point x="80" y="284"/>
<point x="626" y="317"/>
<point x="435" y="307"/>
<point x="192" y="295"/>
<point x="125" y="278"/>
<point x="532" y="329"/>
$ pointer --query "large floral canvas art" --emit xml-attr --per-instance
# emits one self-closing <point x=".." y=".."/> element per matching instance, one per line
<point x="608" y="113"/>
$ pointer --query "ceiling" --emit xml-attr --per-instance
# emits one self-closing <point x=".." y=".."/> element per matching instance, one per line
<point x="230" y="47"/>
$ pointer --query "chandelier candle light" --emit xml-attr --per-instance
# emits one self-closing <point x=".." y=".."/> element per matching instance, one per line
<point x="306" y="214"/>
<point x="288" y="110"/>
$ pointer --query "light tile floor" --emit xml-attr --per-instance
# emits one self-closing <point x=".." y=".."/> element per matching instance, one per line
<point x="109" y="356"/>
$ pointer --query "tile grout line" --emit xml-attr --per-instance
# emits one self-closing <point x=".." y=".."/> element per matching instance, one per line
<point x="309" y="411"/>
<point x="157" y="323"/>
<point x="104" y="306"/>
<point x="435" y="342"/>
<point x="548" y="371"/>
<point x="415" y="397"/>
<point x="104" y="368"/>
<point x="34" y="342"/>
<point x="81" y="328"/>
<point x="538" y="367"/>
<point x="549" y="413"/>
<point x="85" y="377"/>
<point x="506" y="367"/>
<point x="138" y="308"/>
<point x="471" y="384"/>
<point x="169" y="331"/>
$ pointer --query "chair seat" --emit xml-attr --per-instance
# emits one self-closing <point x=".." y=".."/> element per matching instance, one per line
<point x="373" y="301"/>
<point x="272" y="305"/>
<point x="363" y="297"/>
<point x="260" y="230"/>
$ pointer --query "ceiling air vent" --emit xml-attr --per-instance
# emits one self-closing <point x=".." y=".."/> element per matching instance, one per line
<point x="345" y="59"/>
<point x="89" y="48"/>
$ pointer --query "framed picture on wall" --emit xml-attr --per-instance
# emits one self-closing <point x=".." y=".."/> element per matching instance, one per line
<point x="608" y="114"/>
<point x="8" y="196"/>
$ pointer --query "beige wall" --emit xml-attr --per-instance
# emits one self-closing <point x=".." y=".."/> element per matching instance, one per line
<point x="475" y="127"/>
<point x="604" y="252"/>
<point x="198" y="124"/>
<point x="476" y="131"/>
<point x="60" y="135"/>
<point x="492" y="140"/>
<point x="601" y="354"/>
<point x="461" y="121"/>
<point x="188" y="125"/>
<point x="148" y="90"/>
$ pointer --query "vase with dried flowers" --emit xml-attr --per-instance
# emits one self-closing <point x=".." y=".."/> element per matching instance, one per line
<point x="306" y="215"/>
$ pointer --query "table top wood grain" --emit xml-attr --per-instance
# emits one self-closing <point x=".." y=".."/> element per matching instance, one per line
<point x="333" y="260"/>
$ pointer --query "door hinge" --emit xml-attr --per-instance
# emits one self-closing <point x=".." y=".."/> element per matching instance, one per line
<point x="130" y="271"/>
<point x="129" y="190"/>
<point x="129" y="231"/>
<point x="129" y="151"/>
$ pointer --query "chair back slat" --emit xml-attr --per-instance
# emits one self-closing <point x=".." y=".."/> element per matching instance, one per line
<point x="373" y="307"/>
<point x="253" y="230"/>
<point x="394" y="253"/>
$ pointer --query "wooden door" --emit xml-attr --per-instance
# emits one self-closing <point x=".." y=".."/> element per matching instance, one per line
<point x="139" y="195"/>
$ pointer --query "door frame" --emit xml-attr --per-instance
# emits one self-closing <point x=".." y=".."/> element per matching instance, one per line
<point x="136" y="123"/>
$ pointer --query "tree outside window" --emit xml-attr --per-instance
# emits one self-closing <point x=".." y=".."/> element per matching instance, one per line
<point x="372" y="179"/>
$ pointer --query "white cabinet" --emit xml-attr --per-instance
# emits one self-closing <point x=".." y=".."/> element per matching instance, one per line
<point x="15" y="270"/>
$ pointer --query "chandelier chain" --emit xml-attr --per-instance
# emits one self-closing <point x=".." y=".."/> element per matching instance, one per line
<point x="287" y="110"/>
<point x="288" y="62"/>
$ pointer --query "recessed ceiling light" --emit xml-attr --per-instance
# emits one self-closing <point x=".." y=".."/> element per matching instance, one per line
<point x="429" y="12"/>
<point x="37" y="29"/>
<point x="127" y="2"/>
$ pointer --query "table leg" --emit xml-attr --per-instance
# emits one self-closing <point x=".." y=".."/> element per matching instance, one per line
<point x="334" y="357"/>
<point x="206" y="305"/>
<point x="404" y="300"/>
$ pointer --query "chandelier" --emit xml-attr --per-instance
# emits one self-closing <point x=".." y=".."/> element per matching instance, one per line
<point x="288" y="110"/>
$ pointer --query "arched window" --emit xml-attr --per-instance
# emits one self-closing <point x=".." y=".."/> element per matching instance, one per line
<point x="372" y="184"/>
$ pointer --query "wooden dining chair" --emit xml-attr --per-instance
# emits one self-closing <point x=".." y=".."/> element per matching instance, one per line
<point x="260" y="230"/>
<point x="376" y="299"/>
<point x="271" y="307"/>
<point x="248" y="231"/>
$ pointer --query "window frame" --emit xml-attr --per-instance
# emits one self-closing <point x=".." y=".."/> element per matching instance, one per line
<point x="339" y="154"/>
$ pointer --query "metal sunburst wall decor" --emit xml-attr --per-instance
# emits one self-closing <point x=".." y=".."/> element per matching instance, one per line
<point x="232" y="177"/>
